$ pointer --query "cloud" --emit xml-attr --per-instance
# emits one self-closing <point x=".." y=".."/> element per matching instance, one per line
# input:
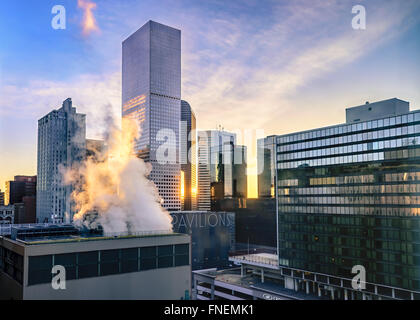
<point x="91" y="94"/>
<point x="89" y="23"/>
<point x="255" y="73"/>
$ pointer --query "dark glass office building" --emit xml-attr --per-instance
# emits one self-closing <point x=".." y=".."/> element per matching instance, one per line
<point x="212" y="236"/>
<point x="188" y="155"/>
<point x="350" y="195"/>
<point x="266" y="167"/>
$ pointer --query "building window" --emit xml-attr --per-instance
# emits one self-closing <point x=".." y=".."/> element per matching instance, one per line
<point x="129" y="260"/>
<point x="88" y="264"/>
<point x="69" y="262"/>
<point x="182" y="254"/>
<point x="110" y="262"/>
<point x="165" y="257"/>
<point x="40" y="268"/>
<point x="147" y="258"/>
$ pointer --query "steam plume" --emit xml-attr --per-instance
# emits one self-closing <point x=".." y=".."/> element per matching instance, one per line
<point x="116" y="188"/>
<point x="89" y="22"/>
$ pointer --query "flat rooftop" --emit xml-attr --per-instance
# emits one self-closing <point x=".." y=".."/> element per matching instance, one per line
<point x="233" y="277"/>
<point x="87" y="237"/>
<point x="267" y="260"/>
<point x="65" y="233"/>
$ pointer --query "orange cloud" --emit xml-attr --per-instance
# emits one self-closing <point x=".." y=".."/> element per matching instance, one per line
<point x="89" y="22"/>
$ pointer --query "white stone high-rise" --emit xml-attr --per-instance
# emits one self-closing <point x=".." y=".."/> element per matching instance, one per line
<point x="61" y="145"/>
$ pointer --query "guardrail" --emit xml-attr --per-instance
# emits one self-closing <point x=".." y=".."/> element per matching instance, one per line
<point x="7" y="230"/>
<point x="257" y="259"/>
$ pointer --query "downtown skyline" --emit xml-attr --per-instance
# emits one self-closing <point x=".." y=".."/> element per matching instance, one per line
<point x="298" y="66"/>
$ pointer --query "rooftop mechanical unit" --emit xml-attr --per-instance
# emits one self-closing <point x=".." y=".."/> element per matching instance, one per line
<point x="42" y="231"/>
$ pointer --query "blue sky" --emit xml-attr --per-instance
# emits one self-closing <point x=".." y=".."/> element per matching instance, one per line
<point x="280" y="66"/>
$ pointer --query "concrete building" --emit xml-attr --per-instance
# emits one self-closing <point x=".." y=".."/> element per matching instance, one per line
<point x="7" y="215"/>
<point x="142" y="266"/>
<point x="188" y="157"/>
<point x="151" y="94"/>
<point x="61" y="146"/>
<point x="212" y="236"/>
<point x="248" y="282"/>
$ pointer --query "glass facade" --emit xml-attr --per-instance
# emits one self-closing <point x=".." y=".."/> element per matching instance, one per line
<point x="151" y="94"/>
<point x="266" y="167"/>
<point x="203" y="171"/>
<point x="350" y="195"/>
<point x="212" y="236"/>
<point x="188" y="153"/>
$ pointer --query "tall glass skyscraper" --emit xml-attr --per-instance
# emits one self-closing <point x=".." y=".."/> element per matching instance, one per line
<point x="203" y="171"/>
<point x="221" y="168"/>
<point x="266" y="167"/>
<point x="188" y="156"/>
<point x="350" y="195"/>
<point x="151" y="94"/>
<point x="61" y="145"/>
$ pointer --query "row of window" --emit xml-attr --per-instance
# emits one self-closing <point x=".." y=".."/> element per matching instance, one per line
<point x="390" y="279"/>
<point x="343" y="129"/>
<point x="353" y="158"/>
<point x="369" y="146"/>
<point x="361" y="221"/>
<point x="12" y="264"/>
<point x="107" y="262"/>
<point x="360" y="189"/>
<point x="408" y="200"/>
<point x="388" y="177"/>
<point x="351" y="210"/>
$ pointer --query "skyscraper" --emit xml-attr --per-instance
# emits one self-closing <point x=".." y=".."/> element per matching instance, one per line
<point x="239" y="173"/>
<point x="221" y="168"/>
<point x="61" y="146"/>
<point x="221" y="163"/>
<point x="15" y="190"/>
<point x="30" y="184"/>
<point x="188" y="156"/>
<point x="151" y="94"/>
<point x="348" y="195"/>
<point x="203" y="171"/>
<point x="21" y="186"/>
<point x="266" y="167"/>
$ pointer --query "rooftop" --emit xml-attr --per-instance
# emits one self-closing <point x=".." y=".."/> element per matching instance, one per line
<point x="252" y="281"/>
<point x="262" y="259"/>
<point x="33" y="234"/>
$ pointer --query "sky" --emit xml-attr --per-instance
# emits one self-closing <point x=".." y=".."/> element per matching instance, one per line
<point x="250" y="65"/>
